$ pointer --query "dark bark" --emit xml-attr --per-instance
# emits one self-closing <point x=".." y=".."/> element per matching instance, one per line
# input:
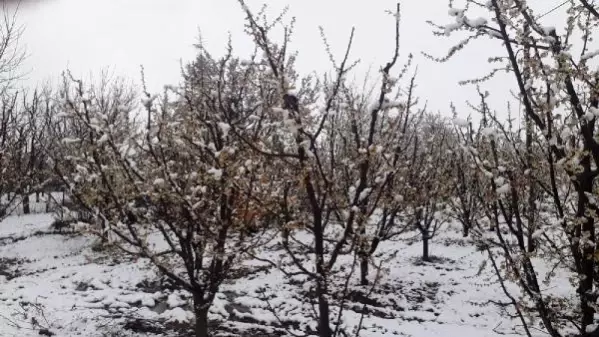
<point x="584" y="262"/>
<point x="587" y="263"/>
<point x="364" y="270"/>
<point x="324" y="329"/>
<point x="425" y="248"/>
<point x="104" y="236"/>
<point x="26" y="207"/>
<point x="200" y="310"/>
<point x="465" y="230"/>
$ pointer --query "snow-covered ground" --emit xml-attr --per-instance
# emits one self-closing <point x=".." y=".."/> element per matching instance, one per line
<point x="57" y="282"/>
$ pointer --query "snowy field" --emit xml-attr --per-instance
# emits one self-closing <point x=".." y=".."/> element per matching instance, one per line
<point x="57" y="284"/>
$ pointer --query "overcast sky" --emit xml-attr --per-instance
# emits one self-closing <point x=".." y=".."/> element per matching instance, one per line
<point x="87" y="36"/>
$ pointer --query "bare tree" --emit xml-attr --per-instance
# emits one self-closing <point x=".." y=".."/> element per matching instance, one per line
<point x="12" y="53"/>
<point x="558" y="92"/>
<point x="428" y="180"/>
<point x="343" y="160"/>
<point x="110" y="102"/>
<point x="13" y="126"/>
<point x="178" y="191"/>
<point x="465" y="205"/>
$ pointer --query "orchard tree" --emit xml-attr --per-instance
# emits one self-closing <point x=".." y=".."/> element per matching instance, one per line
<point x="13" y="142"/>
<point x="428" y="180"/>
<point x="396" y="135"/>
<point x="14" y="128"/>
<point x="557" y="88"/>
<point x="34" y="108"/>
<point x="341" y="155"/>
<point x="464" y="206"/>
<point x="77" y="112"/>
<point x="178" y="190"/>
<point x="500" y="157"/>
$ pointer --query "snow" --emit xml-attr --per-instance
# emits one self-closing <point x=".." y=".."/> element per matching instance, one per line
<point x="177" y="315"/>
<point x="103" y="139"/>
<point x="24" y="225"/>
<point x="451" y="27"/>
<point x="147" y="102"/>
<point x="175" y="300"/>
<point x="489" y="132"/>
<point x="70" y="140"/>
<point x="455" y="12"/>
<point x="216" y="173"/>
<point x="589" y="116"/>
<point x="224" y="127"/>
<point x="78" y="290"/>
<point x="503" y="189"/>
<point x="589" y="55"/>
<point x="548" y="30"/>
<point x="476" y="23"/>
<point x="461" y="122"/>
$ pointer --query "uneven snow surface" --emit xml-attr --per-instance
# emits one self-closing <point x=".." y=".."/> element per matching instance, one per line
<point x="55" y="282"/>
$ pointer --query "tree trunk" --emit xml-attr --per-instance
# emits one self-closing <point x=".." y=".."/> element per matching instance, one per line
<point x="532" y="245"/>
<point x="465" y="230"/>
<point x="324" y="329"/>
<point x="201" y="315"/>
<point x="595" y="333"/>
<point x="585" y="287"/>
<point x="37" y="197"/>
<point x="364" y="270"/>
<point x="25" y="202"/>
<point x="587" y="262"/>
<point x="104" y="231"/>
<point x="425" y="254"/>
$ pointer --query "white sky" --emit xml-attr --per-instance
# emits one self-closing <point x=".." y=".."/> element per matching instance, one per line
<point x="90" y="35"/>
